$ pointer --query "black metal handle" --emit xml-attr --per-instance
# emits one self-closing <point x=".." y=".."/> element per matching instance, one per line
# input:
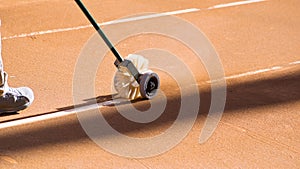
<point x="98" y="29"/>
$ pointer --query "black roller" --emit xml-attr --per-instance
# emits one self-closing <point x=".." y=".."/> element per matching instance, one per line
<point x="149" y="84"/>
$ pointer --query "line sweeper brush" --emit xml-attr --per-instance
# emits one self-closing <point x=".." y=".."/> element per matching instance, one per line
<point x="133" y="79"/>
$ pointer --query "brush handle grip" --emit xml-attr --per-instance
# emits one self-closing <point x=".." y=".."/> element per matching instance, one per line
<point x="100" y="32"/>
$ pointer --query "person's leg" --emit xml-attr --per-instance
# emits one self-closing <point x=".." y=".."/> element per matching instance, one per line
<point x="12" y="99"/>
<point x="1" y="65"/>
<point x="2" y="79"/>
<point x="3" y="75"/>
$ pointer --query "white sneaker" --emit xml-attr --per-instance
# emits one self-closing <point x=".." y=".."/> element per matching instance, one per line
<point x="14" y="99"/>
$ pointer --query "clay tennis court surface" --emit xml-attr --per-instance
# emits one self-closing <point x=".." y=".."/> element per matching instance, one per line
<point x="258" y="45"/>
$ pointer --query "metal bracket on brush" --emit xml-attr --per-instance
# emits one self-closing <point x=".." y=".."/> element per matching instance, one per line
<point x="127" y="66"/>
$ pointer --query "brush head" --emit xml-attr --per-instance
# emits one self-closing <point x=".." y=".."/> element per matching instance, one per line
<point x="124" y="82"/>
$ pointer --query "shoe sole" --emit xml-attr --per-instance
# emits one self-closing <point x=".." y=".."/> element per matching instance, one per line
<point x="15" y="109"/>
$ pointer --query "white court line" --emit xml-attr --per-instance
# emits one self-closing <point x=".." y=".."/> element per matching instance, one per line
<point x="58" y="114"/>
<point x="250" y="73"/>
<point x="102" y="24"/>
<point x="131" y="19"/>
<point x="294" y="63"/>
<point x="235" y="4"/>
<point x="246" y="74"/>
<point x="254" y="72"/>
<point x="151" y="16"/>
<point x="35" y="119"/>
